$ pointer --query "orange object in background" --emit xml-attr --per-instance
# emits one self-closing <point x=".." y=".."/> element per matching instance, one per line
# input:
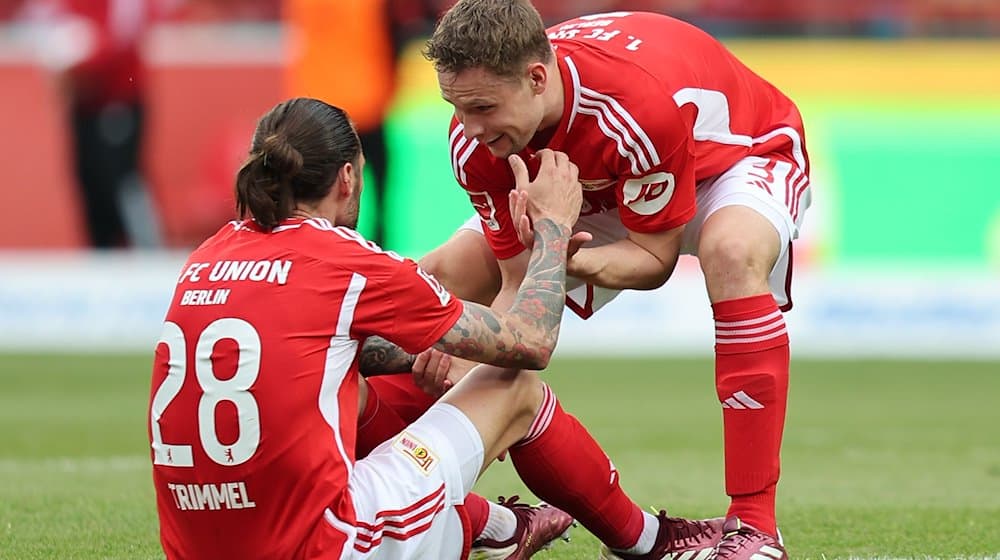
<point x="341" y="52"/>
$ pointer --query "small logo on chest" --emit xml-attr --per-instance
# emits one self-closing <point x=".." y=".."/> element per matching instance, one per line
<point x="596" y="184"/>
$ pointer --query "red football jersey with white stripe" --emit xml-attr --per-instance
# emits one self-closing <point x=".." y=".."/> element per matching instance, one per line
<point x="652" y="106"/>
<point x="254" y="397"/>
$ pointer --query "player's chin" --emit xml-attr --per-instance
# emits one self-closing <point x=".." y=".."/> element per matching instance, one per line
<point x="499" y="152"/>
<point x="502" y="147"/>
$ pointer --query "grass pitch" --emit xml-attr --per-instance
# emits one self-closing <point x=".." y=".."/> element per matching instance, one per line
<point x="880" y="460"/>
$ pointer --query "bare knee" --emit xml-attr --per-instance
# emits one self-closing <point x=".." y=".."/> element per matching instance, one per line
<point x="522" y="393"/>
<point x="465" y="265"/>
<point x="735" y="266"/>
<point x="529" y="395"/>
<point x="737" y="248"/>
<point x="732" y="257"/>
<point x="501" y="403"/>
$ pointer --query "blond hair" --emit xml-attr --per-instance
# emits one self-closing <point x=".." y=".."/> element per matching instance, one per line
<point x="499" y="36"/>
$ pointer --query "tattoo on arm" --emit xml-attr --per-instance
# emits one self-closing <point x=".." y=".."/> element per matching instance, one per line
<point x="379" y="357"/>
<point x="525" y="335"/>
<point x="542" y="295"/>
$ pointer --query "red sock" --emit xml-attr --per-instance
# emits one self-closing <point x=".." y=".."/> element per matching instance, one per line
<point x="751" y="379"/>
<point x="381" y="420"/>
<point x="562" y="464"/>
<point x="479" y="513"/>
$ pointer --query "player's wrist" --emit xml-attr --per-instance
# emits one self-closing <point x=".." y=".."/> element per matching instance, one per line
<point x="549" y="229"/>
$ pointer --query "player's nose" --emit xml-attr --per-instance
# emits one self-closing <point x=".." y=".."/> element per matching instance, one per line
<point x="474" y="129"/>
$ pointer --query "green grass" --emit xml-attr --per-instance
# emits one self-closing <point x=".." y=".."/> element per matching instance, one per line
<point x="881" y="459"/>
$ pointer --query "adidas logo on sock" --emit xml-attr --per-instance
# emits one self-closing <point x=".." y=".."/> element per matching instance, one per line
<point x="741" y="400"/>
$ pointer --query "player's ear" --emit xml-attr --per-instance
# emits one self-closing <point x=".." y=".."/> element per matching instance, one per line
<point x="345" y="180"/>
<point x="538" y="75"/>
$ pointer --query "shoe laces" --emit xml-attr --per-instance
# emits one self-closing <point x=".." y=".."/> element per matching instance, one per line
<point x="522" y="515"/>
<point x="734" y="541"/>
<point x="520" y="509"/>
<point x="687" y="531"/>
<point x="511" y="502"/>
<point x="522" y="512"/>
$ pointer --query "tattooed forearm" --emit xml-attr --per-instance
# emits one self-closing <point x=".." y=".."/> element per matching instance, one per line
<point x="525" y="335"/>
<point x="471" y="338"/>
<point x="542" y="294"/>
<point x="379" y="356"/>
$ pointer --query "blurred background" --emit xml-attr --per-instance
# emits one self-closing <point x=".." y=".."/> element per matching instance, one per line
<point x="125" y="120"/>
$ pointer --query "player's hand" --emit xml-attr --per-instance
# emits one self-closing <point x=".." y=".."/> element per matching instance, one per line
<point x="460" y="367"/>
<point x="435" y="372"/>
<point x="430" y="372"/>
<point x="526" y="234"/>
<point x="555" y="193"/>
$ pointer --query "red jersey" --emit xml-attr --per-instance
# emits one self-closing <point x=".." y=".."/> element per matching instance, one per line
<point x="652" y="106"/>
<point x="254" y="398"/>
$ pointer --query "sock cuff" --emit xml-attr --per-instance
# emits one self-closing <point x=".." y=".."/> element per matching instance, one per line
<point x="478" y="509"/>
<point x="744" y="308"/>
<point x="543" y="418"/>
<point x="751" y="324"/>
<point x="756" y="509"/>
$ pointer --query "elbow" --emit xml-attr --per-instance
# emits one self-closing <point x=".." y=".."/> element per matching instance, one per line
<point x="540" y="353"/>
<point x="653" y="281"/>
<point x="657" y="277"/>
<point x="653" y="265"/>
<point x="532" y="349"/>
<point x="539" y="362"/>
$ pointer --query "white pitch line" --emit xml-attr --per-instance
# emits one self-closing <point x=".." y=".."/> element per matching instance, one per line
<point x="86" y="465"/>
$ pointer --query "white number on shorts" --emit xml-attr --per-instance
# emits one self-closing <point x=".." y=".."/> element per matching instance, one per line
<point x="214" y="391"/>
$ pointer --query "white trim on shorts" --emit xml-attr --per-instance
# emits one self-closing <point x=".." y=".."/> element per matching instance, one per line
<point x="777" y="189"/>
<point x="774" y="188"/>
<point x="405" y="491"/>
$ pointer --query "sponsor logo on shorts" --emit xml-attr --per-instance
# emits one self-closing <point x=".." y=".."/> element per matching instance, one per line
<point x="413" y="448"/>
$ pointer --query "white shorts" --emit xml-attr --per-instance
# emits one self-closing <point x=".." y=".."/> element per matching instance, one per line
<point x="776" y="188"/>
<point x="407" y="493"/>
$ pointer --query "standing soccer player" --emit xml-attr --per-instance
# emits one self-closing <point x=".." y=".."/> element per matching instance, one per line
<point x="256" y="390"/>
<point x="681" y="149"/>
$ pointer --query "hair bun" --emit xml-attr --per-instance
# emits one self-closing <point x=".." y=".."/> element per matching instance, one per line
<point x="280" y="157"/>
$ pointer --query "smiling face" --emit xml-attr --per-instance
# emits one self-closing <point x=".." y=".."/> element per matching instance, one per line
<point x="501" y="113"/>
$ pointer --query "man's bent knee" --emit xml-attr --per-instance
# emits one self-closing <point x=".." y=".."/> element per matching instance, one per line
<point x="465" y="265"/>
<point x="737" y="250"/>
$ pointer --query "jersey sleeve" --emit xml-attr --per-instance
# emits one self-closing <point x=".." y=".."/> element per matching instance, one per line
<point x="408" y="307"/>
<point x="487" y="181"/>
<point x="656" y="189"/>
